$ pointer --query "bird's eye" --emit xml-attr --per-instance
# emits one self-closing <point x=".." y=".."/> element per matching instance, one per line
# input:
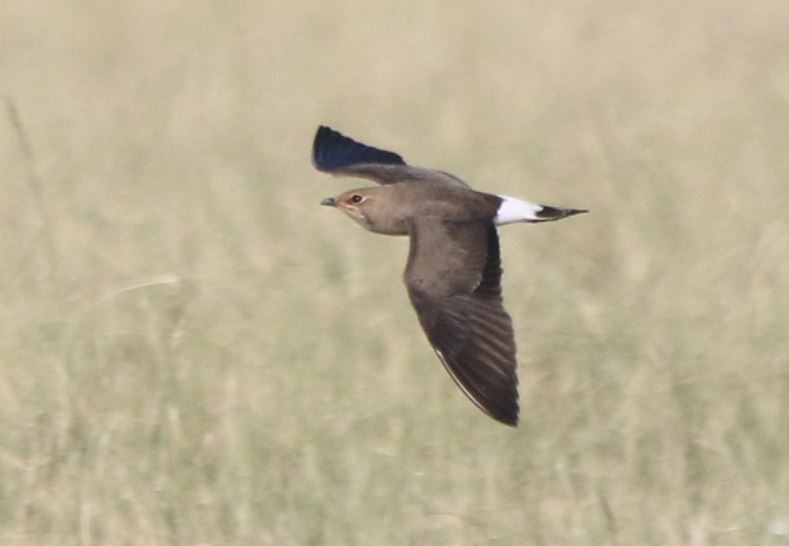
<point x="356" y="199"/>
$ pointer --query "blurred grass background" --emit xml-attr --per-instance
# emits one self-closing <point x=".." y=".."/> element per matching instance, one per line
<point x="194" y="352"/>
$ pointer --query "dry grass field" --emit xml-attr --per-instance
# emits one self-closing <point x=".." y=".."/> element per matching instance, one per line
<point x="193" y="352"/>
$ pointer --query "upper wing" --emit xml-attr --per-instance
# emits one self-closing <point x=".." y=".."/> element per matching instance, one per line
<point x="453" y="278"/>
<point x="335" y="153"/>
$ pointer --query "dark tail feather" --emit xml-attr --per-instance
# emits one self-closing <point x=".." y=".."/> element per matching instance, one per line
<point x="549" y="214"/>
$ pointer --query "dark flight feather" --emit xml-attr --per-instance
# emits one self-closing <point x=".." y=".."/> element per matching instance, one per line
<point x="332" y="151"/>
<point x="457" y="298"/>
<point x="337" y="154"/>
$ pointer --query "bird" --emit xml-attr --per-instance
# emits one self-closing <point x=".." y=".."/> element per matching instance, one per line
<point x="453" y="273"/>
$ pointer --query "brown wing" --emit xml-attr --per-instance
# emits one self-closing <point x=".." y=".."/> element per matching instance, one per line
<point x="335" y="153"/>
<point x="453" y="278"/>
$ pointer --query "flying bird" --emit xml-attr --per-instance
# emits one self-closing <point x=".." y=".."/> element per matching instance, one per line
<point x="453" y="274"/>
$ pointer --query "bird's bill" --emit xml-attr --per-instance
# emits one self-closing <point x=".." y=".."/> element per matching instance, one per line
<point x="329" y="202"/>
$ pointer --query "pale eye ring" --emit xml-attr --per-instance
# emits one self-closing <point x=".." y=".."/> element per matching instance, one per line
<point x="356" y="199"/>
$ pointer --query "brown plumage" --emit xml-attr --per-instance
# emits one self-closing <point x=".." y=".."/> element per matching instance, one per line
<point x="453" y="274"/>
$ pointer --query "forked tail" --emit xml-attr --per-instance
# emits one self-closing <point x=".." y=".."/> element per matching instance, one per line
<point x="513" y="210"/>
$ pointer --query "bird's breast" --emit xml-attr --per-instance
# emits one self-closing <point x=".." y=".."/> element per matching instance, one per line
<point x="387" y="225"/>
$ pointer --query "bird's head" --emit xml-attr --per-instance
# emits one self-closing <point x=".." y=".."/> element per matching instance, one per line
<point x="378" y="209"/>
<point x="358" y="204"/>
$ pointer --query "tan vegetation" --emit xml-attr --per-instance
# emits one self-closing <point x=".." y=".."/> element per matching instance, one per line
<point x="194" y="352"/>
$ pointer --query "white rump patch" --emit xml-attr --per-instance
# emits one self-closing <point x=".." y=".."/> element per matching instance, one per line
<point x="514" y="210"/>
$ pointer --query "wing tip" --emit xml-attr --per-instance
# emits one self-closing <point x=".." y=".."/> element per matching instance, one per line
<point x="504" y="409"/>
<point x="331" y="150"/>
<point x="322" y="136"/>
<point x="509" y="418"/>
